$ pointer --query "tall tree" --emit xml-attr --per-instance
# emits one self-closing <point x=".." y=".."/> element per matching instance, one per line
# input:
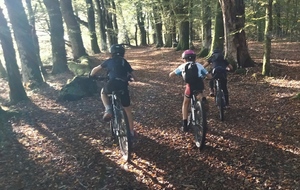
<point x="31" y="18"/>
<point x="158" y="25"/>
<point x="218" y="32"/>
<point x="206" y="23"/>
<point x="236" y="49"/>
<point x="141" y="23"/>
<point x="268" y="37"/>
<point x="92" y="26"/>
<point x="102" y="23"/>
<point x="23" y="36"/>
<point x="182" y="19"/>
<point x="17" y="92"/>
<point x="74" y="31"/>
<point x="59" y="55"/>
<point x="111" y="24"/>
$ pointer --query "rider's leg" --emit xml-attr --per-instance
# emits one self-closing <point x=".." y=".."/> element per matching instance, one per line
<point x="108" y="109"/>
<point x="185" y="106"/>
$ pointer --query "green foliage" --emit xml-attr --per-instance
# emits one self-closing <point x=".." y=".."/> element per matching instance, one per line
<point x="82" y="68"/>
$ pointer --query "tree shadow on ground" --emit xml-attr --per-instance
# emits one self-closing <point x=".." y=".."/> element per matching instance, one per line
<point x="65" y="153"/>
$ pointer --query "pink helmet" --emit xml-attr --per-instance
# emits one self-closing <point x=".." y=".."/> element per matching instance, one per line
<point x="189" y="55"/>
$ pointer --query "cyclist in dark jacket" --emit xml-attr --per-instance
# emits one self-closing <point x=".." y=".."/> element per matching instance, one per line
<point x="118" y="70"/>
<point x="219" y="67"/>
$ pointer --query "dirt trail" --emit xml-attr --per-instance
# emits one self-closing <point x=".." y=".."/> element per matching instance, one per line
<point x="65" y="145"/>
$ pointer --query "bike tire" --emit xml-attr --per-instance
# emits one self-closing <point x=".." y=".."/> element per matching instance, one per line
<point x="200" y="127"/>
<point x="124" y="135"/>
<point x="220" y="104"/>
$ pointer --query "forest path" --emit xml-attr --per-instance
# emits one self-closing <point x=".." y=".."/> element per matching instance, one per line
<point x="65" y="145"/>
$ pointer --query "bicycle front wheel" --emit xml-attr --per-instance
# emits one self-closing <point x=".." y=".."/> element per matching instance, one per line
<point x="124" y="135"/>
<point x="200" y="127"/>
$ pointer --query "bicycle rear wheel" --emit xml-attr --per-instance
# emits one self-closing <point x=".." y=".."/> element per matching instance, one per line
<point x="220" y="103"/>
<point x="200" y="127"/>
<point x="124" y="135"/>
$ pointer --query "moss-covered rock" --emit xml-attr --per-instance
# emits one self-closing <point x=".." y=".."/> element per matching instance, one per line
<point x="77" y="88"/>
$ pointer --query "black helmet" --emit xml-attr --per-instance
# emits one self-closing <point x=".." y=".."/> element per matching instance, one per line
<point x="117" y="49"/>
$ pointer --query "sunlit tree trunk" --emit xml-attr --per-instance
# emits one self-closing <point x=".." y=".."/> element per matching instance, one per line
<point x="59" y="56"/>
<point x="23" y="36"/>
<point x="268" y="37"/>
<point x="17" y="92"/>
<point x="92" y="26"/>
<point x="236" y="50"/>
<point x="73" y="28"/>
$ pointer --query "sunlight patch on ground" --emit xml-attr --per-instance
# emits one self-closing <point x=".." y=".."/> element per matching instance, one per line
<point x="289" y="148"/>
<point x="283" y="83"/>
<point x="290" y="85"/>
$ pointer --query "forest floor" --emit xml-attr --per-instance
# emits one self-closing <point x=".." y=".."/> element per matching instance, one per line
<point x="66" y="145"/>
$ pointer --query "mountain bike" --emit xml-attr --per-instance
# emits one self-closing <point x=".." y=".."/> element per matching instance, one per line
<point x="219" y="98"/>
<point x="119" y="125"/>
<point x="197" y="120"/>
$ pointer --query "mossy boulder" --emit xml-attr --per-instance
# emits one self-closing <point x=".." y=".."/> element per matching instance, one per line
<point x="77" y="88"/>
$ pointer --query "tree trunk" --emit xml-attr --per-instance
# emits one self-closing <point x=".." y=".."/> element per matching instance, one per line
<point x="73" y="28"/>
<point x="92" y="26"/>
<point x="278" y="27"/>
<point x="268" y="36"/>
<point x="158" y="27"/>
<point x="141" y="24"/>
<point x="102" y="24"/>
<point x="183" y="43"/>
<point x="17" y="92"/>
<point x="23" y="36"/>
<point x="206" y="24"/>
<point x="112" y="32"/>
<point x="59" y="55"/>
<point x="183" y="30"/>
<point x="218" y="35"/>
<point x="34" y="35"/>
<point x="236" y="49"/>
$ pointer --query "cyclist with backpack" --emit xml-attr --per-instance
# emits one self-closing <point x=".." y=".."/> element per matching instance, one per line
<point x="119" y="71"/>
<point x="193" y="74"/>
<point x="219" y="67"/>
